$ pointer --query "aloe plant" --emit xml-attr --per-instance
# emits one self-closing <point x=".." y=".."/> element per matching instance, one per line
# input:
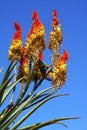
<point x="28" y="71"/>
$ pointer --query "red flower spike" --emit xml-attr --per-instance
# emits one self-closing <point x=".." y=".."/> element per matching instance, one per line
<point x="17" y="34"/>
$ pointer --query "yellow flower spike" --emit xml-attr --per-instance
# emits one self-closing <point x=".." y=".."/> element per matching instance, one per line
<point x="59" y="73"/>
<point x="35" y="41"/>
<point x="14" y="52"/>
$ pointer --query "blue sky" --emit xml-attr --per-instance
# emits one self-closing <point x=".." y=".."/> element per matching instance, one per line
<point x="73" y="17"/>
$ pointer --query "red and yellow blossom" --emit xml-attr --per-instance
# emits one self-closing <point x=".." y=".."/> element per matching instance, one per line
<point x="59" y="73"/>
<point x="55" y="38"/>
<point x="24" y="67"/>
<point x="35" y="41"/>
<point x="14" y="52"/>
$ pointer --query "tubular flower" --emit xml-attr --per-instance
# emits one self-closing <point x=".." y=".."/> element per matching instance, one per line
<point x="55" y="38"/>
<point x="24" y="68"/>
<point x="35" y="41"/>
<point x="14" y="52"/>
<point x="59" y="73"/>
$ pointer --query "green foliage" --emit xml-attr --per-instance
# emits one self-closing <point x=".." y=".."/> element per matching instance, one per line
<point x="32" y="101"/>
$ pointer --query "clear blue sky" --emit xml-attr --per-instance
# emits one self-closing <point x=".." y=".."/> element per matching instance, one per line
<point x="73" y="17"/>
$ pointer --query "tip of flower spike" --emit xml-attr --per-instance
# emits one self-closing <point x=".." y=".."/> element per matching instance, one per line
<point x="17" y="26"/>
<point x="35" y="19"/>
<point x="17" y="34"/>
<point x="54" y="13"/>
<point x="54" y="18"/>
<point x="64" y="56"/>
<point x="34" y="15"/>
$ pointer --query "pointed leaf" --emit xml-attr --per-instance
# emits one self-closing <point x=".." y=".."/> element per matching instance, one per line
<point x="6" y="75"/>
<point x="4" y="86"/>
<point x="50" y="122"/>
<point x="32" y="111"/>
<point x="9" y="89"/>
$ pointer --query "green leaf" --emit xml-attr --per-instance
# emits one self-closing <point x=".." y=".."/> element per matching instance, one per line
<point x="32" y="111"/>
<point x="4" y="86"/>
<point x="7" y="73"/>
<point x="36" y="95"/>
<point x="9" y="89"/>
<point x="50" y="122"/>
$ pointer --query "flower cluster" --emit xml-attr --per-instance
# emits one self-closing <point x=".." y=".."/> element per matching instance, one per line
<point x="32" y="52"/>
<point x="59" y="73"/>
<point x="35" y="42"/>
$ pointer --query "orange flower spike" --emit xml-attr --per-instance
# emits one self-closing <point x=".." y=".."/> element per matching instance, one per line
<point x="35" y="42"/>
<point x="59" y="73"/>
<point x="14" y="52"/>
